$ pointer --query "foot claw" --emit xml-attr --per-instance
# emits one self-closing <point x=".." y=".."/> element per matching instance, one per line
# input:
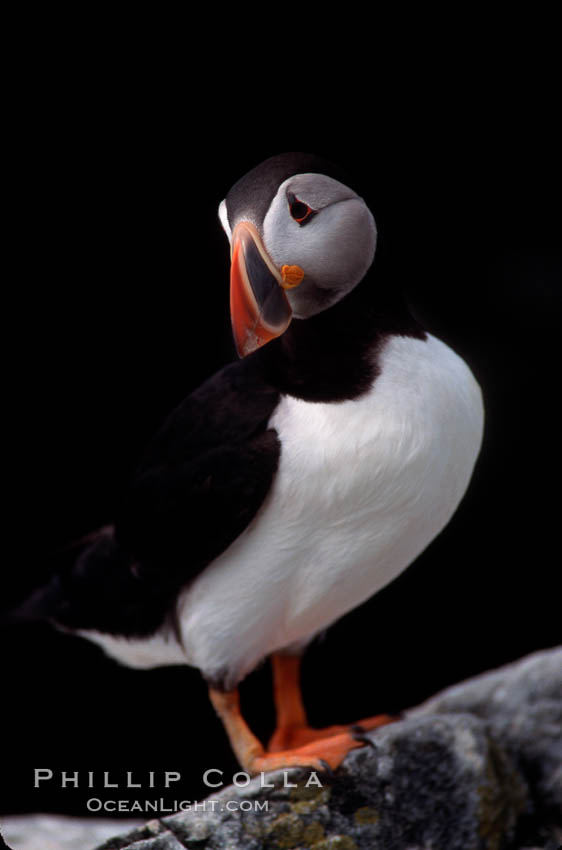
<point x="326" y="768"/>
<point x="360" y="735"/>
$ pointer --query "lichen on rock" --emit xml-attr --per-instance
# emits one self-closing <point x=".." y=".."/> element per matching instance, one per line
<point x="475" y="768"/>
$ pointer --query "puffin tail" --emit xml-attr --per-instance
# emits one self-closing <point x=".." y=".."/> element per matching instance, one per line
<point x="44" y="601"/>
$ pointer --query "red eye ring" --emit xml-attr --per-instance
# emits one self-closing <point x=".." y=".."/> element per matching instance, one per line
<point x="300" y="211"/>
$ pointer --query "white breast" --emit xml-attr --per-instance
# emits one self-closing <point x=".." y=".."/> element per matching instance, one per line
<point x="362" y="488"/>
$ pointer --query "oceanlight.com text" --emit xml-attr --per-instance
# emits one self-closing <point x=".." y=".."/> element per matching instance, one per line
<point x="160" y="807"/>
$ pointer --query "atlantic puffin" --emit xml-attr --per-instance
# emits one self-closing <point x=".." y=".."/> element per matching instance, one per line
<point x="293" y="484"/>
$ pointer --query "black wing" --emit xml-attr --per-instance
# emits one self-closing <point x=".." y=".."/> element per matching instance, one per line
<point x="203" y="477"/>
<point x="201" y="481"/>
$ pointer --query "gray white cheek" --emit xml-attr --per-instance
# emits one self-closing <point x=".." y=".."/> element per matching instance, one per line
<point x="335" y="250"/>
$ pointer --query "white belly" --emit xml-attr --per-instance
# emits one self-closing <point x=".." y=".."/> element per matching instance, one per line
<point x="362" y="488"/>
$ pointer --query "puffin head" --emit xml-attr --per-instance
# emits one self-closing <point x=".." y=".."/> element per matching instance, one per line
<point x="300" y="238"/>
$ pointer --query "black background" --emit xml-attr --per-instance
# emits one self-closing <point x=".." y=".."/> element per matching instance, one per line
<point x="118" y="307"/>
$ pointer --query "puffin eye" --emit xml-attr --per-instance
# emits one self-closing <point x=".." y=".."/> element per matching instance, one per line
<point x="300" y="211"/>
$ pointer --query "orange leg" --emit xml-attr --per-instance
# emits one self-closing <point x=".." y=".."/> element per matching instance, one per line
<point x="244" y="743"/>
<point x="251" y="754"/>
<point x="292" y="728"/>
<point x="294" y="743"/>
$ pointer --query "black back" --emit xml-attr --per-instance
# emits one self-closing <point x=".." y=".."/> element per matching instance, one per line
<point x="203" y="477"/>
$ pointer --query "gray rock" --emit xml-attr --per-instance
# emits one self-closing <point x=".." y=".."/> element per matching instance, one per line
<point x="477" y="767"/>
<point x="521" y="707"/>
<point x="56" y="832"/>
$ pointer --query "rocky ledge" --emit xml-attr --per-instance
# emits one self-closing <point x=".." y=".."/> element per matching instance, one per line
<point x="477" y="767"/>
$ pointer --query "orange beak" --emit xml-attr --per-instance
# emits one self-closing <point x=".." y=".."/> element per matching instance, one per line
<point x="259" y="308"/>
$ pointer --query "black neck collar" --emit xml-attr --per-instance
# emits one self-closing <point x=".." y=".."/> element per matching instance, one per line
<point x="333" y="356"/>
